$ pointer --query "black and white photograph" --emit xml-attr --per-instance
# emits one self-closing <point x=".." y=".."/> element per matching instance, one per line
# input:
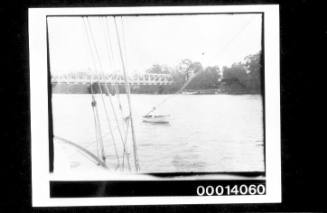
<point x="157" y="93"/>
<point x="159" y="105"/>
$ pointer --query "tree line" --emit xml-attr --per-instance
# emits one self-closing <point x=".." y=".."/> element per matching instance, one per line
<point x="239" y="78"/>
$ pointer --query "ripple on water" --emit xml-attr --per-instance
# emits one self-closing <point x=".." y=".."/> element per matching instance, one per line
<point x="206" y="133"/>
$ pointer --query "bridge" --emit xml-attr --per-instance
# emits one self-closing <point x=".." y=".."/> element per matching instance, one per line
<point x="114" y="79"/>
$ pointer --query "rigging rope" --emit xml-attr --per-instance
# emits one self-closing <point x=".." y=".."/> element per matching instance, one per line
<point x="123" y="41"/>
<point x="108" y="48"/>
<point x="103" y="155"/>
<point x="108" y="92"/>
<point x="96" y="131"/>
<point x="190" y="79"/>
<point x="118" y="99"/>
<point x="91" y="41"/>
<point x="127" y="86"/>
<point x="235" y="36"/>
<point x="179" y="91"/>
<point x="97" y="64"/>
<point x="116" y="88"/>
<point x="88" y="145"/>
<point x="126" y="136"/>
<point x="108" y="44"/>
<point x="94" y="106"/>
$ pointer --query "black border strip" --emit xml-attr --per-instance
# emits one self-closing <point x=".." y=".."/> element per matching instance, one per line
<point x="80" y="189"/>
<point x="51" y="146"/>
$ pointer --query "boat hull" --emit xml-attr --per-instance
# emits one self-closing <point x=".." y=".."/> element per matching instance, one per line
<point x="156" y="119"/>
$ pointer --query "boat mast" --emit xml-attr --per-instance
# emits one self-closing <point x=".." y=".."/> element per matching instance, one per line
<point x="128" y="91"/>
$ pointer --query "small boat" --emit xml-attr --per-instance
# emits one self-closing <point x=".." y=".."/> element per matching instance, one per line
<point x="189" y="92"/>
<point x="156" y="118"/>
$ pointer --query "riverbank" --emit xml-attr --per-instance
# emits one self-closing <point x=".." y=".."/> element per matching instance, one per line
<point x="144" y="89"/>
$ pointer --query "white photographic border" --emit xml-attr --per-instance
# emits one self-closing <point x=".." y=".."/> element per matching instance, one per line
<point x="39" y="107"/>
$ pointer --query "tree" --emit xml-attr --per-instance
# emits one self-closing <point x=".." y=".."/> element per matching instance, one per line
<point x="236" y="71"/>
<point x="158" y="69"/>
<point x="253" y="65"/>
<point x="207" y="79"/>
<point x="246" y="75"/>
<point x="178" y="79"/>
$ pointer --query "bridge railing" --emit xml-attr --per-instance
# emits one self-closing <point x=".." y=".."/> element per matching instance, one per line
<point x="143" y="79"/>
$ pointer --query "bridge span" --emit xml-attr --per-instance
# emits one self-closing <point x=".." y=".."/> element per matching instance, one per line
<point x="115" y="79"/>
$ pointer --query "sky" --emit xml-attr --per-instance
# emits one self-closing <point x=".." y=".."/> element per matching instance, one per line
<point x="87" y="44"/>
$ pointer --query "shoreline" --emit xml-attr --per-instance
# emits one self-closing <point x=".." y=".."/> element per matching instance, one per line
<point x="63" y="93"/>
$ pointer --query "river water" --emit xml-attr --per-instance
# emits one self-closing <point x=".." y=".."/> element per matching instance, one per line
<point x="206" y="133"/>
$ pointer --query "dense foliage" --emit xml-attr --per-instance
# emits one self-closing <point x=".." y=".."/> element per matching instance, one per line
<point x="241" y="77"/>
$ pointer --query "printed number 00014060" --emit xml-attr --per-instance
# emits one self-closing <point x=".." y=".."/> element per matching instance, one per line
<point x="220" y="190"/>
